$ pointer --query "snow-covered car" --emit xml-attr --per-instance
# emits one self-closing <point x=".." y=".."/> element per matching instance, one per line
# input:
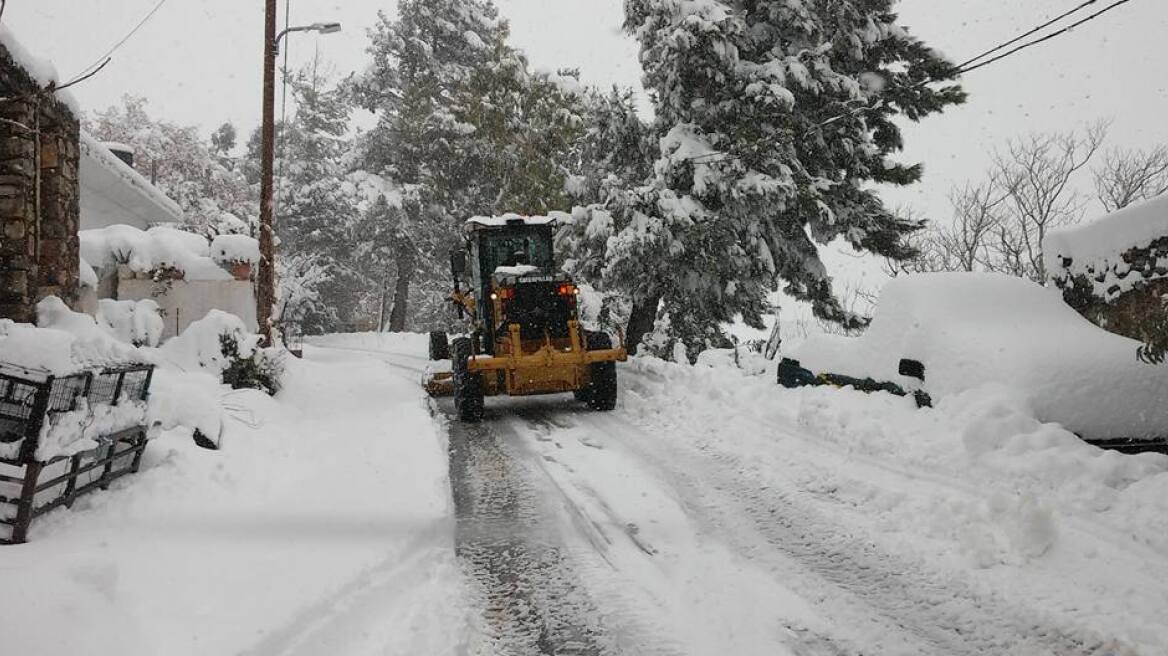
<point x="976" y="329"/>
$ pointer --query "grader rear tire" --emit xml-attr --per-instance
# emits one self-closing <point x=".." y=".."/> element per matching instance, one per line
<point x="602" y="395"/>
<point x="601" y="391"/>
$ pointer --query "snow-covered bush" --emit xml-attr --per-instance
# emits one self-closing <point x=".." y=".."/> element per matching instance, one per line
<point x="221" y="344"/>
<point x="258" y="368"/>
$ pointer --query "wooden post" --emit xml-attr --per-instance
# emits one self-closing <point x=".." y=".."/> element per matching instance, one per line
<point x="27" y="504"/>
<point x="71" y="484"/>
<point x="266" y="279"/>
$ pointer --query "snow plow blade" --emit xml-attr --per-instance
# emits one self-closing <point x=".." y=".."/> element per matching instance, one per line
<point x="439" y="383"/>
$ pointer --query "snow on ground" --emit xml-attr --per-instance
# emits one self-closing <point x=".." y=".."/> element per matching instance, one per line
<point x="322" y="526"/>
<point x="715" y="512"/>
<point x="976" y="489"/>
<point x="712" y="512"/>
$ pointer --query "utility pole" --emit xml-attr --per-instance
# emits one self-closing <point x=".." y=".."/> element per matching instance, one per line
<point x="266" y="283"/>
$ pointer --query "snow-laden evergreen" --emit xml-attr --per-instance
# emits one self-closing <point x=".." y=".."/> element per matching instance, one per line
<point x="776" y="120"/>
<point x="466" y="126"/>
<point x="317" y="218"/>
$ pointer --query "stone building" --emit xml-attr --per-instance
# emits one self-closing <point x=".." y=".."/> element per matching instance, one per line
<point x="1114" y="271"/>
<point x="39" y="195"/>
<point x="64" y="194"/>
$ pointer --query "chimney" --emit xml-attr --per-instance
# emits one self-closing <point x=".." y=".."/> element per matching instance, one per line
<point x="122" y="152"/>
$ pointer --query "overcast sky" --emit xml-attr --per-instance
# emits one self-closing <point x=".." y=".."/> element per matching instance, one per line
<point x="198" y="61"/>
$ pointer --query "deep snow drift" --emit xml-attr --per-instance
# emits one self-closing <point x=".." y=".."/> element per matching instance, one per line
<point x="973" y="329"/>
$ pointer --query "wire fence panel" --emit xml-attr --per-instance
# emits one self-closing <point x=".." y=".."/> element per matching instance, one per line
<point x="30" y="487"/>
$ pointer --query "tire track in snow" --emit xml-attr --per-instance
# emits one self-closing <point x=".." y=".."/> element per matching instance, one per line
<point x="512" y="556"/>
<point x="945" y="615"/>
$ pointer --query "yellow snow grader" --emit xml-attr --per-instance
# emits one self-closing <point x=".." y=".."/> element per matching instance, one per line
<point x="525" y="336"/>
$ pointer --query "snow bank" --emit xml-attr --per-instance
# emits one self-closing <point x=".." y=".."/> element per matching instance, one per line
<point x="322" y="527"/>
<point x="186" y="391"/>
<point x="159" y="249"/>
<point x="200" y="345"/>
<point x="1095" y="250"/>
<point x="974" y="329"/>
<point x="187" y="399"/>
<point x="63" y="342"/>
<point x="131" y="322"/>
<point x="67" y="342"/>
<point x="976" y="487"/>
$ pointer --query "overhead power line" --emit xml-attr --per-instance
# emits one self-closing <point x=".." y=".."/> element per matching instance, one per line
<point x="1036" y="30"/>
<point x="101" y="61"/>
<point x="1048" y="37"/>
<point x="961" y="69"/>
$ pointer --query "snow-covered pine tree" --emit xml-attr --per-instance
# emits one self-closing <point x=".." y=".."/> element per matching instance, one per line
<point x="777" y="122"/>
<point x="613" y="154"/>
<point x="421" y="62"/>
<point x="463" y="124"/>
<point x="317" y="216"/>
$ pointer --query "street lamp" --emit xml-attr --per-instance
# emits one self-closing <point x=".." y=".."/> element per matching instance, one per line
<point x="266" y="283"/>
<point x="321" y="28"/>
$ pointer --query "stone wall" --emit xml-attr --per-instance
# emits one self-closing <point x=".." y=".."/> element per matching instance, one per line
<point x="1139" y="309"/>
<point x="39" y="194"/>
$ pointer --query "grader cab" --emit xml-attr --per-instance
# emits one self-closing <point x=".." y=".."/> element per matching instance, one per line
<point x="524" y="334"/>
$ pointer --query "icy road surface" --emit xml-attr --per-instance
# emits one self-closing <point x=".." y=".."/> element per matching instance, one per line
<point x="635" y="532"/>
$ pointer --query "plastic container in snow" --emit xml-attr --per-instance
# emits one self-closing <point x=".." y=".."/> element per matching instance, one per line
<point x="64" y="436"/>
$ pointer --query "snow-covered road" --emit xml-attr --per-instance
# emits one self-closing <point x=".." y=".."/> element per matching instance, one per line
<point x="687" y="522"/>
<point x="649" y="545"/>
<point x="711" y="513"/>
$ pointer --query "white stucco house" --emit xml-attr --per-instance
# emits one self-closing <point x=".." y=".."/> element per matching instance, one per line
<point x="133" y="251"/>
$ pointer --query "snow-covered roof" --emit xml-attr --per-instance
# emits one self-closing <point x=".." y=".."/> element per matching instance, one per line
<point x="113" y="193"/>
<point x="1096" y="249"/>
<point x="517" y="270"/>
<point x="516" y="219"/>
<point x="41" y="70"/>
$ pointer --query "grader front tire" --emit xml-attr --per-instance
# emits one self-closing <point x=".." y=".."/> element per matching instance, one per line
<point x="468" y="387"/>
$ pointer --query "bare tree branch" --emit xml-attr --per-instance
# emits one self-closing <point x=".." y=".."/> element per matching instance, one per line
<point x="1128" y="176"/>
<point x="1036" y="173"/>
